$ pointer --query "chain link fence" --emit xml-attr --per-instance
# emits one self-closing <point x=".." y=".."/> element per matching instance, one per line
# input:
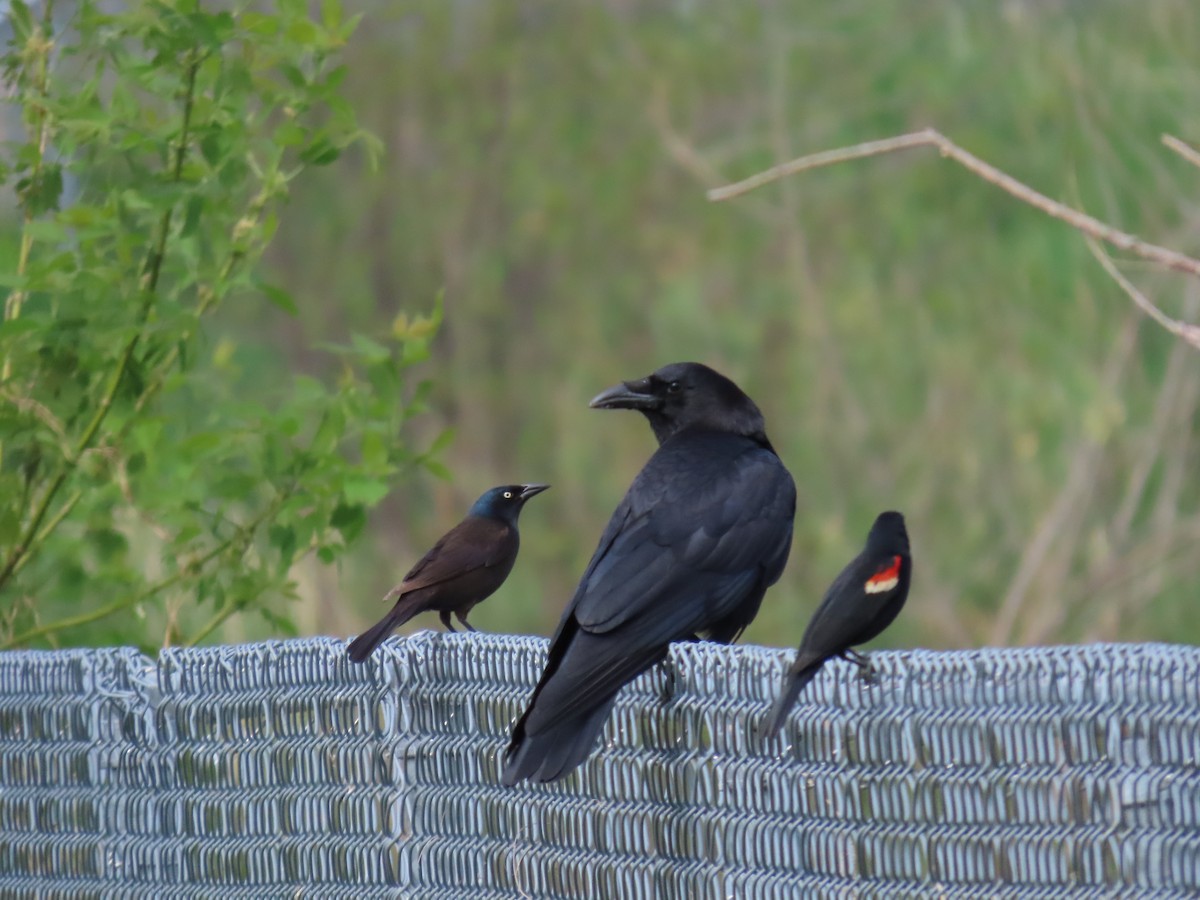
<point x="282" y="770"/>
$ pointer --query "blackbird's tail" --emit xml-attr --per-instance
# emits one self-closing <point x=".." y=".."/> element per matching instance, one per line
<point x="795" y="683"/>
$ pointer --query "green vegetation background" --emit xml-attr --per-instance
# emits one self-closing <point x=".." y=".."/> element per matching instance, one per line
<point x="917" y="339"/>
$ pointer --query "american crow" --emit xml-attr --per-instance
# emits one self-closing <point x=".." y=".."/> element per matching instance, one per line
<point x="470" y="561"/>
<point x="702" y="533"/>
<point x="862" y="601"/>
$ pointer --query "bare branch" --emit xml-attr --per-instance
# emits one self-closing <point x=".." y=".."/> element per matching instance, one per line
<point x="819" y="160"/>
<point x="1190" y="333"/>
<point x="1187" y="151"/>
<point x="930" y="137"/>
<point x="685" y="155"/>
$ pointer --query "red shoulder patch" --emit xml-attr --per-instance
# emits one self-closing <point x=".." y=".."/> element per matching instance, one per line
<point x="886" y="578"/>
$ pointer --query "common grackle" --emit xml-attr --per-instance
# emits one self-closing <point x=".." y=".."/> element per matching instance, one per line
<point x="703" y="531"/>
<point x="470" y="561"/>
<point x="862" y="601"/>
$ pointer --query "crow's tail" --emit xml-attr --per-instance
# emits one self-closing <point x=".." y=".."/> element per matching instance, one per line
<point x="553" y="753"/>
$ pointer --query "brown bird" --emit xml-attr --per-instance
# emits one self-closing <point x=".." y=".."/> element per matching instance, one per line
<point x="467" y="565"/>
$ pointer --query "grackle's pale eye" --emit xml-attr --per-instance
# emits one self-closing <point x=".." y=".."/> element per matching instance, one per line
<point x="508" y="495"/>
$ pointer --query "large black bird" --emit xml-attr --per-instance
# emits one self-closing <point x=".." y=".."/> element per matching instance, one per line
<point x="702" y="533"/>
<point x="470" y="561"/>
<point x="862" y="601"/>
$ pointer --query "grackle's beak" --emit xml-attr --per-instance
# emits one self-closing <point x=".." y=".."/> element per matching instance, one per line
<point x="627" y="395"/>
<point x="532" y="490"/>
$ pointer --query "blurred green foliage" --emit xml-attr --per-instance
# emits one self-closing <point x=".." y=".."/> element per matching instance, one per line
<point x="137" y="475"/>
<point x="917" y="339"/>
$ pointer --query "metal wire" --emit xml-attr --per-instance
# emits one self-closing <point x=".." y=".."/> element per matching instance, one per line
<point x="283" y="770"/>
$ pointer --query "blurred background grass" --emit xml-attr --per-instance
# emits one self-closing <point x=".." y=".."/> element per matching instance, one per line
<point x="917" y="339"/>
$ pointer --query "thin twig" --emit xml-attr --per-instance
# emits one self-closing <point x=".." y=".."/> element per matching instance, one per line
<point x="214" y="623"/>
<point x="1190" y="333"/>
<point x="124" y="603"/>
<point x="930" y="137"/>
<point x="1187" y="151"/>
<point x="819" y="160"/>
<point x="94" y="615"/>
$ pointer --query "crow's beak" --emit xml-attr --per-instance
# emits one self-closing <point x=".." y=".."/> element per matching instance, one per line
<point x="532" y="490"/>
<point x="627" y="395"/>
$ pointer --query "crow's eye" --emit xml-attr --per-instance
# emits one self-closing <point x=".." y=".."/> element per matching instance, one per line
<point x="508" y="495"/>
<point x="674" y="387"/>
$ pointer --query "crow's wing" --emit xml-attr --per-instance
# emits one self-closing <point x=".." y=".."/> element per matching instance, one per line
<point x="704" y="529"/>
<point x="707" y="517"/>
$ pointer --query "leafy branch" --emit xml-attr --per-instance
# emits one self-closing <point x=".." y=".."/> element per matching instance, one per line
<point x="240" y="538"/>
<point x="32" y="538"/>
<point x="158" y="448"/>
<point x="38" y="47"/>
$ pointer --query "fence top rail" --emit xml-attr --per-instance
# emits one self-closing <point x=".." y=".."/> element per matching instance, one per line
<point x="257" y="769"/>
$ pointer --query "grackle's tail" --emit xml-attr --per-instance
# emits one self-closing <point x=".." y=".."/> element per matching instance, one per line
<point x="364" y="645"/>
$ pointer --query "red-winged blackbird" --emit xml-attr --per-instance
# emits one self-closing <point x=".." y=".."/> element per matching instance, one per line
<point x="470" y="561"/>
<point x="862" y="601"/>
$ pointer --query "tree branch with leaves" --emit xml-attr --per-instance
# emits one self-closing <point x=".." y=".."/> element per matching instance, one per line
<point x="162" y="142"/>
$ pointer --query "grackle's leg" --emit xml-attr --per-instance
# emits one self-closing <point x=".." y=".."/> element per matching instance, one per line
<point x="462" y="617"/>
<point x="444" y="615"/>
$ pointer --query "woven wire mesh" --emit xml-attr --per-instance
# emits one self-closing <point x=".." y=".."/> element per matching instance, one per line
<point x="282" y="770"/>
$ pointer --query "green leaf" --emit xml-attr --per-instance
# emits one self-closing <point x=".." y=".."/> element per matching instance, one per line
<point x="349" y="520"/>
<point x="331" y="14"/>
<point x="213" y="146"/>
<point x="441" y="442"/>
<point x="10" y="526"/>
<point x="278" y="296"/>
<point x="22" y="21"/>
<point x="370" y="350"/>
<point x="202" y="444"/>
<point x="259" y="24"/>
<point x="283" y="538"/>
<point x="363" y="490"/>
<point x="193" y="210"/>
<point x="15" y="328"/>
<point x="108" y="543"/>
<point x="436" y="469"/>
<point x="374" y="451"/>
<point x="304" y="32"/>
<point x="320" y="152"/>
